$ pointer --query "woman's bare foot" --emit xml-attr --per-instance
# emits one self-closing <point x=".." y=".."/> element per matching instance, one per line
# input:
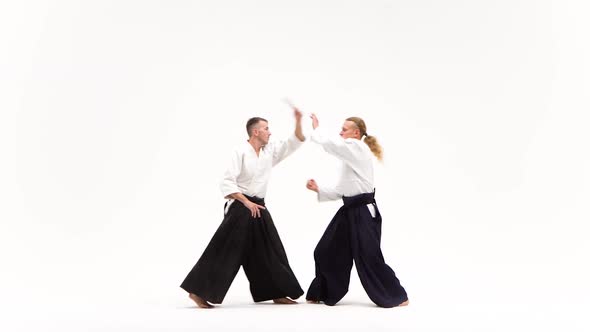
<point x="200" y="302"/>
<point x="284" y="300"/>
<point x="403" y="304"/>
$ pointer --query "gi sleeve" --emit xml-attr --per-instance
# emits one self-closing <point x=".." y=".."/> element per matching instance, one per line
<point x="229" y="184"/>
<point x="327" y="194"/>
<point x="344" y="149"/>
<point x="282" y="149"/>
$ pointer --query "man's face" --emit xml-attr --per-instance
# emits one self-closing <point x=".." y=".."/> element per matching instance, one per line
<point x="349" y="130"/>
<point x="262" y="132"/>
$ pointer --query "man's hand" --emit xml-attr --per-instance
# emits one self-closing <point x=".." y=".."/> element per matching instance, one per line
<point x="312" y="185"/>
<point x="297" y="113"/>
<point x="298" y="129"/>
<point x="254" y="209"/>
<point x="314" y="121"/>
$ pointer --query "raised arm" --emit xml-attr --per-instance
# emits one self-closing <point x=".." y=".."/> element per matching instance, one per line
<point x="347" y="150"/>
<point x="283" y="149"/>
<point x="298" y="129"/>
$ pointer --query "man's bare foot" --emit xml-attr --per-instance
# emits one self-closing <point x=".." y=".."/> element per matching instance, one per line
<point x="284" y="300"/>
<point x="200" y="302"/>
<point x="403" y="304"/>
<point x="313" y="301"/>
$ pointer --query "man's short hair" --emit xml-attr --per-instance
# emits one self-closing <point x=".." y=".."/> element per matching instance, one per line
<point x="252" y="122"/>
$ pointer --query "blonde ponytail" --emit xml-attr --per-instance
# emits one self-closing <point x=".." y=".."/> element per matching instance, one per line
<point x="371" y="141"/>
<point x="375" y="147"/>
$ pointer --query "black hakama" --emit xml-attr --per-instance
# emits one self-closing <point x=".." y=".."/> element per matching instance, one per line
<point x="353" y="234"/>
<point x="254" y="244"/>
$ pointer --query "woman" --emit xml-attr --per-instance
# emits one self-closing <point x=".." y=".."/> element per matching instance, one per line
<point x="355" y="231"/>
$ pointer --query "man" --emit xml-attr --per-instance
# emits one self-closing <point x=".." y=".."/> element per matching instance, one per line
<point x="247" y="236"/>
<point x="355" y="231"/>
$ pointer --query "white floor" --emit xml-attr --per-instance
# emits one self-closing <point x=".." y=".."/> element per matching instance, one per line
<point x="239" y="314"/>
<point x="170" y="310"/>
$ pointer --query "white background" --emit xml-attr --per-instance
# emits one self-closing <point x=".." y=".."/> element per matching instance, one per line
<point x="117" y="118"/>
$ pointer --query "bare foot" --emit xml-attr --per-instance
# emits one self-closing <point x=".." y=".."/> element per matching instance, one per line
<point x="284" y="300"/>
<point x="200" y="302"/>
<point x="313" y="302"/>
<point x="403" y="304"/>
